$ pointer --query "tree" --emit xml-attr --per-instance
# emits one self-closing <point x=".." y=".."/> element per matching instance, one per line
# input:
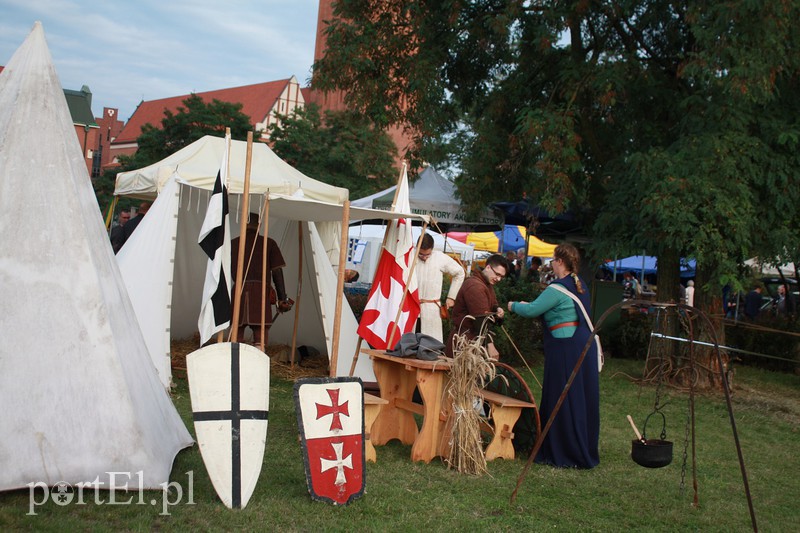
<point x="668" y="126"/>
<point x="342" y="148"/>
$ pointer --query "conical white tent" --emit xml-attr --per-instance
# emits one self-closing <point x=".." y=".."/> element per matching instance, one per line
<point x="164" y="267"/>
<point x="80" y="396"/>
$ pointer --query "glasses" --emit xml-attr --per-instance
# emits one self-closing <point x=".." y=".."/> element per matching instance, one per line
<point x="496" y="273"/>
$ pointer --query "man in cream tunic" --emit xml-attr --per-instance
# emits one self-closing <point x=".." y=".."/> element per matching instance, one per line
<point x="431" y="266"/>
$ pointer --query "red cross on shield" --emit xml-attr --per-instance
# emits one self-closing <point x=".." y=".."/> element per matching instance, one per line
<point x="330" y="414"/>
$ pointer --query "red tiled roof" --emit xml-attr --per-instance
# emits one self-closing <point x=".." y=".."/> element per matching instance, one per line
<point x="257" y="101"/>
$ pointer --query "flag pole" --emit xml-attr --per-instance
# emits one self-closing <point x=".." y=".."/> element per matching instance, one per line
<point x="337" y="317"/>
<point x="299" y="289"/>
<point x="264" y="271"/>
<point x="383" y="245"/>
<point x="242" y="233"/>
<point x="407" y="281"/>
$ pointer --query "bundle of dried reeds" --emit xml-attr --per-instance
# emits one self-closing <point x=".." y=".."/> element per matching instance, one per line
<point x="471" y="370"/>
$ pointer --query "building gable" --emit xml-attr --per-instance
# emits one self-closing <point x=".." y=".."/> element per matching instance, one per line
<point x="260" y="102"/>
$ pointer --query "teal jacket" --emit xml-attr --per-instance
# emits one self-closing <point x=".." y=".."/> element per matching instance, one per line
<point x="556" y="307"/>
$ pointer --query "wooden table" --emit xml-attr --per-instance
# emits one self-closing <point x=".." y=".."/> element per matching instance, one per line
<point x="397" y="378"/>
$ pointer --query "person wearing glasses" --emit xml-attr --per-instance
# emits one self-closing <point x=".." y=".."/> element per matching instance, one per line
<point x="476" y="303"/>
<point x="572" y="440"/>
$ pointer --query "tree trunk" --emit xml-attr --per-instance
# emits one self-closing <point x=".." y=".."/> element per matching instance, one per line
<point x="707" y="365"/>
<point x="668" y="291"/>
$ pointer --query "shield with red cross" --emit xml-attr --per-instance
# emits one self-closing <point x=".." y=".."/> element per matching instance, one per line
<point x="330" y="417"/>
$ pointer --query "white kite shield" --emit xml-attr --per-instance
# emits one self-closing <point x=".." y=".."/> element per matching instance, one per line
<point x="229" y="389"/>
<point x="330" y="417"/>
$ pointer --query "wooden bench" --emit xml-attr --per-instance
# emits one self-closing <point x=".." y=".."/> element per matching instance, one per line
<point x="372" y="407"/>
<point x="505" y="413"/>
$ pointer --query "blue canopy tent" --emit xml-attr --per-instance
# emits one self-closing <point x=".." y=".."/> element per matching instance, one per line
<point x="646" y="264"/>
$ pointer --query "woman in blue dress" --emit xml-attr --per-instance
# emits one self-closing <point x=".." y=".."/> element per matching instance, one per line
<point x="573" y="437"/>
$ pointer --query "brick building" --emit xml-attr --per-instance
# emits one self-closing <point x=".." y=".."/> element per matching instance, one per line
<point x="262" y="102"/>
<point x="109" y="128"/>
<point x="334" y="100"/>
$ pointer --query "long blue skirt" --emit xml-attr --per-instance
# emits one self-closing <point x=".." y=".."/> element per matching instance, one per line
<point x="573" y="437"/>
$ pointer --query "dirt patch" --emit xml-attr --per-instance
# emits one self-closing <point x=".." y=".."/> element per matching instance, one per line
<point x="311" y="367"/>
<point x="780" y="402"/>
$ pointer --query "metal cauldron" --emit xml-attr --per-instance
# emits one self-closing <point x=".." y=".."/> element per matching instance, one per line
<point x="652" y="453"/>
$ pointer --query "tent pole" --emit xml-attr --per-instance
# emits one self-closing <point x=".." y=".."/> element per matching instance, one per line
<point x="405" y="290"/>
<point x="355" y="357"/>
<point x="242" y="230"/>
<point x="337" y="317"/>
<point x="264" y="271"/>
<point x="299" y="290"/>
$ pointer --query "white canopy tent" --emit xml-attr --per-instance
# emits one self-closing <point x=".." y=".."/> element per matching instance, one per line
<point x="370" y="237"/>
<point x="787" y="269"/>
<point x="81" y="398"/>
<point x="164" y="267"/>
<point x="435" y="196"/>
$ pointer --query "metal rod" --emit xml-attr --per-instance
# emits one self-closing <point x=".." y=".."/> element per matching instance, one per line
<point x="712" y="345"/>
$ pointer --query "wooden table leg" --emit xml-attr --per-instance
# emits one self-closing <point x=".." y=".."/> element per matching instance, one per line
<point x="395" y="383"/>
<point x="431" y="387"/>
<point x="502" y="444"/>
<point x="370" y="414"/>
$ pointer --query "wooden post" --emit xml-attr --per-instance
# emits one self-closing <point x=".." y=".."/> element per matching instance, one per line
<point x="337" y="317"/>
<point x="299" y="290"/>
<point x="266" y="289"/>
<point x="237" y="300"/>
<point x="355" y="357"/>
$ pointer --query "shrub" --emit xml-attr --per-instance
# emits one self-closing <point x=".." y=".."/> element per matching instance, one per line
<point x="630" y="337"/>
<point x="768" y="342"/>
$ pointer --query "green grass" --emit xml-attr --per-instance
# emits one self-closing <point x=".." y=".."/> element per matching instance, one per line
<point x="405" y="496"/>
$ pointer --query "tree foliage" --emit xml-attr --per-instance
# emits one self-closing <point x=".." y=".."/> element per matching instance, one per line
<point x="669" y="126"/>
<point x="340" y="148"/>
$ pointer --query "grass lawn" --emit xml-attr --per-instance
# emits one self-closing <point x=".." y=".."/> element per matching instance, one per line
<point x="405" y="496"/>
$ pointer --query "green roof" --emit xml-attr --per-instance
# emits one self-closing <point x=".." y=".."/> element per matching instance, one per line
<point x="80" y="107"/>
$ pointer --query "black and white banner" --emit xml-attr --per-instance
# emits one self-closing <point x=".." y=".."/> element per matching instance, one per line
<point x="215" y="240"/>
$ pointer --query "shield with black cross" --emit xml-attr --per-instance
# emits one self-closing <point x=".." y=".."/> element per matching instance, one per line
<point x="330" y="417"/>
<point x="229" y="390"/>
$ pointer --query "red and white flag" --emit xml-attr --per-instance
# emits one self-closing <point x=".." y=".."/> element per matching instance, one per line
<point x="378" y="320"/>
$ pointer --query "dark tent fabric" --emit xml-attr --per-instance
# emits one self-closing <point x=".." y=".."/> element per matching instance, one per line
<point x="538" y="221"/>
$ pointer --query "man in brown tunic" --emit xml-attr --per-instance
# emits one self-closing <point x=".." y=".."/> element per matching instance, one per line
<point x="250" y="310"/>
<point x="476" y="301"/>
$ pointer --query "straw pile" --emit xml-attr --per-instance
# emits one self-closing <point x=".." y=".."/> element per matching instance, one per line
<point x="470" y="372"/>
<point x="313" y="367"/>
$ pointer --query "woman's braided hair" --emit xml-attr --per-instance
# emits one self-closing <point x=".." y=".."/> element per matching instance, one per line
<point x="571" y="258"/>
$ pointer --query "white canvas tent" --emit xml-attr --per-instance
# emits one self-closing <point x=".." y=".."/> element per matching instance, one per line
<point x="79" y="394"/>
<point x="787" y="269"/>
<point x="435" y="196"/>
<point x="164" y="267"/>
<point x="370" y="236"/>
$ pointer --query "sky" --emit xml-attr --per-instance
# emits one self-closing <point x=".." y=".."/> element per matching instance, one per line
<point x="127" y="51"/>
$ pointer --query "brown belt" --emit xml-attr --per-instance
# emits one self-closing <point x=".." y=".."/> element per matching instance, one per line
<point x="563" y="325"/>
<point x="437" y="302"/>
